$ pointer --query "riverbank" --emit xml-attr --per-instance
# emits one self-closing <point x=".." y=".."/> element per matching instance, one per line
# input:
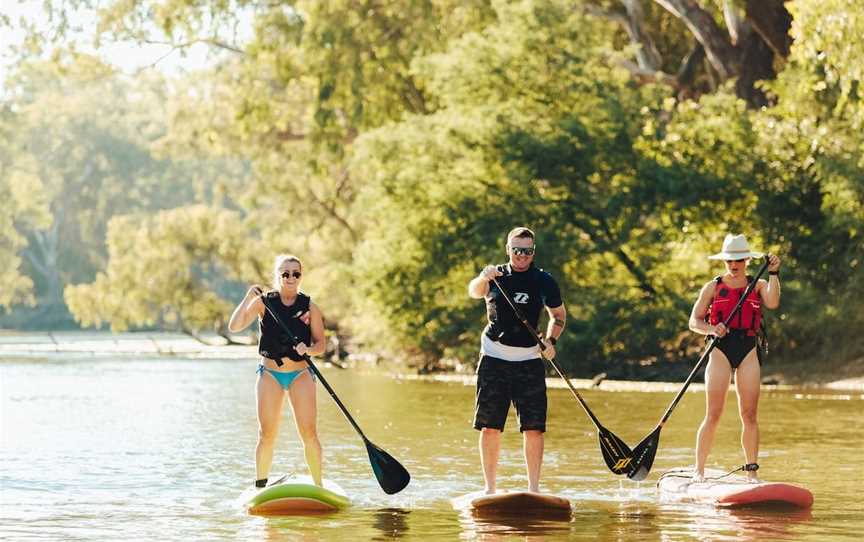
<point x="15" y="345"/>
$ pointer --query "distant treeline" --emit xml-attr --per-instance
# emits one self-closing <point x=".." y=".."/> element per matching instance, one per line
<point x="391" y="145"/>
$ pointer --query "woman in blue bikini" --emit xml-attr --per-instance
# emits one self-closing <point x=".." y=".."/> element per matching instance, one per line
<point x="282" y="368"/>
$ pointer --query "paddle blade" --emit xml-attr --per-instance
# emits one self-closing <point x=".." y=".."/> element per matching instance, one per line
<point x="391" y="475"/>
<point x="643" y="456"/>
<point x="615" y="452"/>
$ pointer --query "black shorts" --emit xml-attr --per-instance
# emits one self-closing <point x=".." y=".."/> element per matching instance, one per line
<point x="501" y="382"/>
<point x="736" y="345"/>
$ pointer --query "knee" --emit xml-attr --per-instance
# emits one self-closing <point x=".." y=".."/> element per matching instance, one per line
<point x="267" y="435"/>
<point x="308" y="433"/>
<point x="712" y="416"/>
<point x="748" y="416"/>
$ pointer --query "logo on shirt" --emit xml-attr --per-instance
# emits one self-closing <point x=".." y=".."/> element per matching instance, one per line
<point x="521" y="297"/>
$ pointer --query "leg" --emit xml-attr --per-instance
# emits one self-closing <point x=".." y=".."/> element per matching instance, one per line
<point x="533" y="447"/>
<point x="490" y="414"/>
<point x="529" y="395"/>
<point x="490" y="448"/>
<point x="747" y="381"/>
<point x="717" y="377"/>
<point x="305" y="407"/>
<point x="269" y="397"/>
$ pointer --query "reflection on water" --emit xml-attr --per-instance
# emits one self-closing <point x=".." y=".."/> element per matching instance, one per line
<point x="152" y="448"/>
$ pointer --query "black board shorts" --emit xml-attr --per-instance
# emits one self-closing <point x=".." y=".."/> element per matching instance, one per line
<point x="501" y="382"/>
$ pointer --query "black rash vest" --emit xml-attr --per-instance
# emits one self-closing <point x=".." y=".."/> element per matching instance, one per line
<point x="530" y="291"/>
<point x="274" y="342"/>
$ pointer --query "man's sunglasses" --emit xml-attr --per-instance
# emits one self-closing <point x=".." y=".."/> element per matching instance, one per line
<point x="519" y="251"/>
<point x="287" y="274"/>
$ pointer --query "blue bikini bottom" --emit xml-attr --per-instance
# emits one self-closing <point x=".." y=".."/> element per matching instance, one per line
<point x="284" y="378"/>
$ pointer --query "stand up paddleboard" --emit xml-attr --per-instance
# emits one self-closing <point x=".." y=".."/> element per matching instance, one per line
<point x="521" y="503"/>
<point x="294" y="497"/>
<point x="730" y="491"/>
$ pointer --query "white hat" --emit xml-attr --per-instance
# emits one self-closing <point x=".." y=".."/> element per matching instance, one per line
<point x="735" y="247"/>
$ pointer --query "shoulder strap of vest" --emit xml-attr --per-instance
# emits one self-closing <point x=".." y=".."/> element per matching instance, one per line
<point x="303" y="301"/>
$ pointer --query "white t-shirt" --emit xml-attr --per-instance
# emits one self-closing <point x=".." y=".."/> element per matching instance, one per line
<point x="494" y="349"/>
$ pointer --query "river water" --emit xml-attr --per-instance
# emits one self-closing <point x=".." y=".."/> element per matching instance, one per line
<point x="155" y="448"/>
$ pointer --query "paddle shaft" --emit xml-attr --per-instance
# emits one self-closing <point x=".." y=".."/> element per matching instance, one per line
<point x="536" y="335"/>
<point x="711" y="345"/>
<point x="317" y="373"/>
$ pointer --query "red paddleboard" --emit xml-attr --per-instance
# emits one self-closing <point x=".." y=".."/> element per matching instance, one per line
<point x="730" y="491"/>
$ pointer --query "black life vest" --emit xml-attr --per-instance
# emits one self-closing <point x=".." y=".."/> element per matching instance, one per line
<point x="526" y="292"/>
<point x="274" y="343"/>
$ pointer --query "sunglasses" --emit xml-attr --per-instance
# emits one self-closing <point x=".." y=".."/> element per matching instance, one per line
<point x="287" y="274"/>
<point x="519" y="251"/>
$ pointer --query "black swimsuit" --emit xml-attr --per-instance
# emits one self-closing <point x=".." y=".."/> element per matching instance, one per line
<point x="736" y="344"/>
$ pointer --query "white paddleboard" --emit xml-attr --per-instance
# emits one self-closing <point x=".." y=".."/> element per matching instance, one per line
<point x="730" y="491"/>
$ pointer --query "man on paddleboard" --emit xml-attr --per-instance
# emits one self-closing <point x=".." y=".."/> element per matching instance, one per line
<point x="736" y="350"/>
<point x="511" y="369"/>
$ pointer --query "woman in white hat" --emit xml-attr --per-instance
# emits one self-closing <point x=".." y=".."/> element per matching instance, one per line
<point x="736" y="346"/>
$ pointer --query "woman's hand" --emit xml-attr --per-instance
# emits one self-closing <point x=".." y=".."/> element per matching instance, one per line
<point x="301" y="349"/>
<point x="719" y="330"/>
<point x="773" y="263"/>
<point x="254" y="291"/>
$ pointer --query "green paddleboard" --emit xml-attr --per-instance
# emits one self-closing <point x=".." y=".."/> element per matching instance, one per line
<point x="297" y="497"/>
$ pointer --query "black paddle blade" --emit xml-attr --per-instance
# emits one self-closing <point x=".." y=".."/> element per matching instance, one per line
<point x="392" y="476"/>
<point x="615" y="452"/>
<point x="643" y="456"/>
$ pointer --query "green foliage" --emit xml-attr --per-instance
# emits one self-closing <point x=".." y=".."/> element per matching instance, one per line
<point x="392" y="145"/>
<point x="177" y="269"/>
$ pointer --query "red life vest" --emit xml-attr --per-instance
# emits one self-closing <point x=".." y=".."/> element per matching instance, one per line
<point x="749" y="317"/>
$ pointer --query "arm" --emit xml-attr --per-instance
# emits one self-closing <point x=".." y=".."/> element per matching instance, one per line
<point x="700" y="309"/>
<point x="557" y="319"/>
<point x="478" y="288"/>
<point x="247" y="311"/>
<point x="770" y="289"/>
<point x="319" y="343"/>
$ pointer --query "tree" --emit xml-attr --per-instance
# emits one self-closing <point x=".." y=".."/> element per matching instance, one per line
<point x="179" y="269"/>
<point x="752" y="41"/>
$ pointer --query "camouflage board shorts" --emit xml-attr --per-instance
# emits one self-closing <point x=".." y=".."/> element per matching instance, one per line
<point x="501" y="382"/>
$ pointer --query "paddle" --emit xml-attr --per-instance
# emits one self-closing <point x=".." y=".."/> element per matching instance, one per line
<point x="391" y="475"/>
<point x="615" y="451"/>
<point x="644" y="452"/>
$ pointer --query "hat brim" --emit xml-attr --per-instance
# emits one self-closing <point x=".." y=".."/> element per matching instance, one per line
<point x="735" y="255"/>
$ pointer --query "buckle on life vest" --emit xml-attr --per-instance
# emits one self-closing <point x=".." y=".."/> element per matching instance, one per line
<point x="750" y="467"/>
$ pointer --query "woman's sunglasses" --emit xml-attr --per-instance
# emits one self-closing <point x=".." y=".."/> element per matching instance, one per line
<point x="287" y="274"/>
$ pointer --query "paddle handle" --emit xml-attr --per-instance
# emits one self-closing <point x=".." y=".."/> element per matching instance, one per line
<point x="536" y="335"/>
<point x="703" y="359"/>
<point x="317" y="373"/>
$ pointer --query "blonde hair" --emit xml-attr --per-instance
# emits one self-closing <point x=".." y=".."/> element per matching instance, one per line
<point x="277" y="263"/>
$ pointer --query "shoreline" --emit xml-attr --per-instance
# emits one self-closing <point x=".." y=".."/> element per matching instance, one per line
<point x="102" y="343"/>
